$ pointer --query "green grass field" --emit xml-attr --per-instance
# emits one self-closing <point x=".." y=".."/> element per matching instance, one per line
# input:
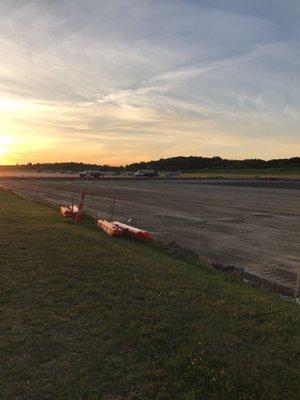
<point x="286" y="173"/>
<point x="89" y="317"/>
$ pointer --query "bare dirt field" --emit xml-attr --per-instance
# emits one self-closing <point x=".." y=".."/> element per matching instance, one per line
<point x="255" y="225"/>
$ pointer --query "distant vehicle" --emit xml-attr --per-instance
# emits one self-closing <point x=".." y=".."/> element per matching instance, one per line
<point x="172" y="174"/>
<point x="146" y="173"/>
<point x="90" y="174"/>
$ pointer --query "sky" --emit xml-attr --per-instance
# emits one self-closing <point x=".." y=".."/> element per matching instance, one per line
<point x="120" y="81"/>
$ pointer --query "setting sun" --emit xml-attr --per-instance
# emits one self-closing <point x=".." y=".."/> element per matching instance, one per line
<point x="14" y="147"/>
<point x="5" y="146"/>
<point x="130" y="95"/>
<point x="149" y="197"/>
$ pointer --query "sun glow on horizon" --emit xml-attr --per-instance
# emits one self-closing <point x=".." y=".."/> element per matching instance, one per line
<point x="23" y="148"/>
<point x="25" y="135"/>
<point x="6" y="142"/>
<point x="83" y="81"/>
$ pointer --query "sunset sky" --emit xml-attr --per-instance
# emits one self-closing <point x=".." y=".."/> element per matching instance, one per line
<point x="119" y="81"/>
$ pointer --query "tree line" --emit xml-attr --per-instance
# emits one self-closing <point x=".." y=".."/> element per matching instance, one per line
<point x="181" y="163"/>
<point x="195" y="163"/>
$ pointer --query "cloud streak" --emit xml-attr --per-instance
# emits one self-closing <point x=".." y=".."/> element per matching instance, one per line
<point x="145" y="79"/>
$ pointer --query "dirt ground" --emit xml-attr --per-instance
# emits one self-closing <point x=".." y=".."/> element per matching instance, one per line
<point x="255" y="225"/>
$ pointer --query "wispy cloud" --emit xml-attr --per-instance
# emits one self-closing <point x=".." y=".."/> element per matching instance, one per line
<point x="132" y="79"/>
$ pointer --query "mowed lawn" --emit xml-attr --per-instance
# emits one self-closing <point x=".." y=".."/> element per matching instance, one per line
<point x="89" y="317"/>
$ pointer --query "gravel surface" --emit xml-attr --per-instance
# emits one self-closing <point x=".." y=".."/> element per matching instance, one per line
<point x="255" y="226"/>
